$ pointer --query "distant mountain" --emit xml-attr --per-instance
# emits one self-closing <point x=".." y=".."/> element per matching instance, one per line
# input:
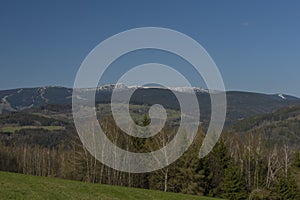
<point x="240" y="104"/>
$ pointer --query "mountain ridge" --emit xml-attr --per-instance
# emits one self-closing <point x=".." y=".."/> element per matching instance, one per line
<point x="240" y="105"/>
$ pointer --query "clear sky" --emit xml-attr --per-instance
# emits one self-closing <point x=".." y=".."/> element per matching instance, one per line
<point x="256" y="44"/>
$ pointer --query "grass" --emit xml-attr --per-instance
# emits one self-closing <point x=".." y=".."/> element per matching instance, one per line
<point x="20" y="186"/>
<point x="12" y="129"/>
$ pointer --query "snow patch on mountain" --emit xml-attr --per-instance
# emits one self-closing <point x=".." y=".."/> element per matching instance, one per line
<point x="19" y="91"/>
<point x="120" y="86"/>
<point x="282" y="96"/>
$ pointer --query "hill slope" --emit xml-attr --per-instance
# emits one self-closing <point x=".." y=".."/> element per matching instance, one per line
<point x="279" y="127"/>
<point x="19" y="186"/>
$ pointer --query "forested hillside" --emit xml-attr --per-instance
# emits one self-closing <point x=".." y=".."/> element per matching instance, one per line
<point x="246" y="162"/>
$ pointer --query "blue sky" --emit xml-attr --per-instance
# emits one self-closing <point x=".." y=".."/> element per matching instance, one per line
<point x="255" y="44"/>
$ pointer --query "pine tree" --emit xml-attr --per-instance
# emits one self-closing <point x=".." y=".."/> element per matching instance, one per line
<point x="189" y="177"/>
<point x="145" y="120"/>
<point x="205" y="170"/>
<point x="188" y="172"/>
<point x="139" y="145"/>
<point x="287" y="188"/>
<point x="297" y="159"/>
<point x="234" y="187"/>
<point x="218" y="161"/>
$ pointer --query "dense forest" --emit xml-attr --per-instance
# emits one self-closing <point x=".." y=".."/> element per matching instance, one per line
<point x="243" y="165"/>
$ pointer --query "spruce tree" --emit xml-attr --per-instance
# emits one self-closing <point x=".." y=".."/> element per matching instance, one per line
<point x="234" y="187"/>
<point x="218" y="160"/>
<point x="287" y="188"/>
<point x="297" y="159"/>
<point x="145" y="120"/>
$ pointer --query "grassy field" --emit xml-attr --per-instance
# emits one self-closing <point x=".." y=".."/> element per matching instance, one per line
<point x="19" y="186"/>
<point x="12" y="129"/>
